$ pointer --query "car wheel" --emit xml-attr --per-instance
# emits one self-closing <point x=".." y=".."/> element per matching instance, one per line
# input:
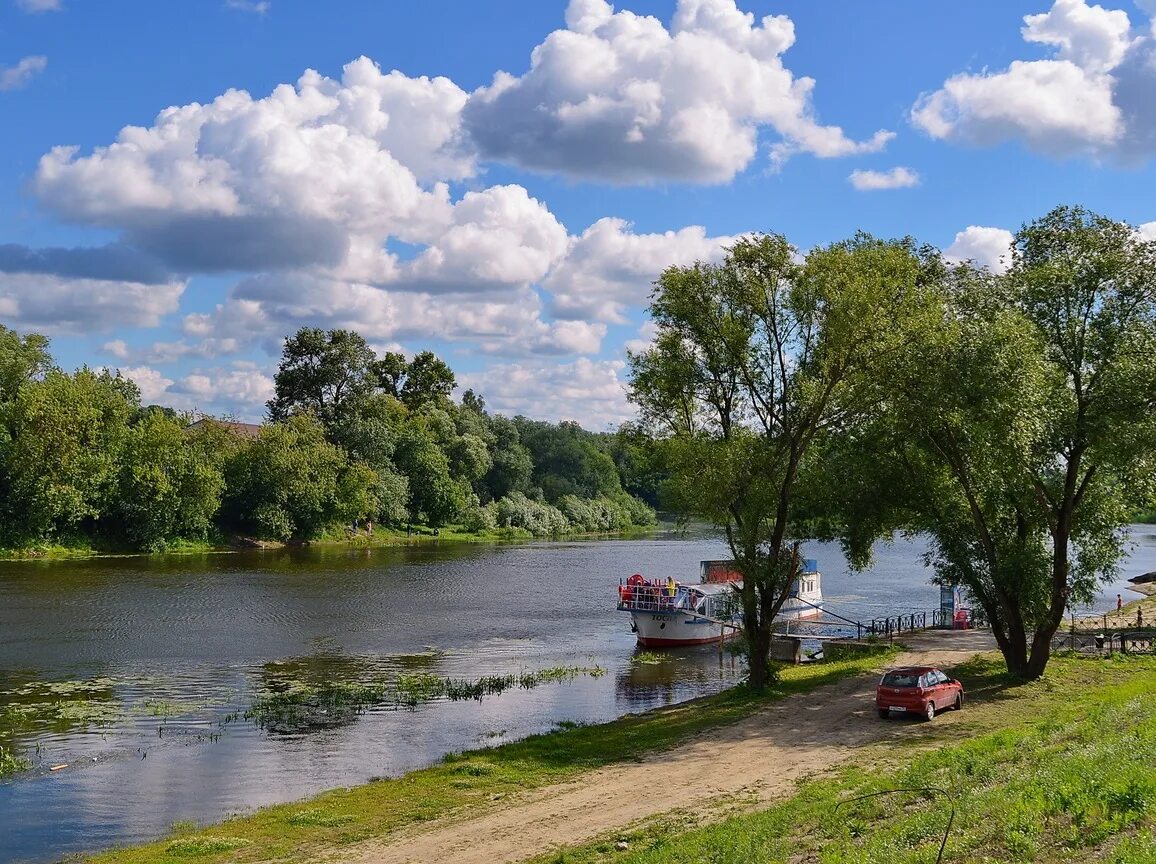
<point x="959" y="702"/>
<point x="929" y="711"/>
<point x="884" y="713"/>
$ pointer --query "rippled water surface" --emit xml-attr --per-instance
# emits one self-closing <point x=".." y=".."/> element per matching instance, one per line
<point x="136" y="673"/>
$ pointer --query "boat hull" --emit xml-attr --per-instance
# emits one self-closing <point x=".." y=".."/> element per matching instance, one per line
<point x="674" y="629"/>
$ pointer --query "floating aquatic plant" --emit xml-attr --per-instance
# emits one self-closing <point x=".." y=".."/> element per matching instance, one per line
<point x="298" y="706"/>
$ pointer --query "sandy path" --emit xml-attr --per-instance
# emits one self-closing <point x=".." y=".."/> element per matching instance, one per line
<point x="759" y="757"/>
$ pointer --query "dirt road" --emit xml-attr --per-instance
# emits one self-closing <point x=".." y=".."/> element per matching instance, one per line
<point x="758" y="758"/>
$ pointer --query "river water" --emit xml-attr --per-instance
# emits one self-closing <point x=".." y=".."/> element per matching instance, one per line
<point x="132" y="672"/>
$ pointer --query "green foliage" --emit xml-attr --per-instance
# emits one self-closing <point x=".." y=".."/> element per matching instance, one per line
<point x="1017" y="428"/>
<point x="67" y="435"/>
<point x="170" y="483"/>
<point x="434" y="497"/>
<point x="427" y="380"/>
<point x="756" y="361"/>
<point x="291" y="484"/>
<point x="325" y="373"/>
<point x="22" y="359"/>
<point x="478" y="518"/>
<point x="512" y="465"/>
<point x="567" y="460"/>
<point x="537" y="517"/>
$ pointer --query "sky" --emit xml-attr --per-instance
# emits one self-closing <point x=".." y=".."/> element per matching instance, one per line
<point x="183" y="185"/>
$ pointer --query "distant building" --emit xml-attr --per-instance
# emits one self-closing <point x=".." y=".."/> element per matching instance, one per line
<point x="244" y="430"/>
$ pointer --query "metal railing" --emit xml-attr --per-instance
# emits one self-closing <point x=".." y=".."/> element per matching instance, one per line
<point x="1107" y="642"/>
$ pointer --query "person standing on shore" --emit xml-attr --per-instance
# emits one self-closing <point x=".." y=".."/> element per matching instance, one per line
<point x="1119" y="602"/>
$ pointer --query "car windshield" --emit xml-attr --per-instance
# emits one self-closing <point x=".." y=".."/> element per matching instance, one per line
<point x="901" y="679"/>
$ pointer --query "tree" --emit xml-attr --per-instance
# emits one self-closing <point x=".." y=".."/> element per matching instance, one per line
<point x="433" y="494"/>
<point x="427" y="379"/>
<point x="567" y="460"/>
<point x="755" y="361"/>
<point x="291" y="484"/>
<point x="512" y="465"/>
<point x="323" y="372"/>
<point x="22" y="359"/>
<point x="1020" y="425"/>
<point x="170" y="485"/>
<point x="67" y="437"/>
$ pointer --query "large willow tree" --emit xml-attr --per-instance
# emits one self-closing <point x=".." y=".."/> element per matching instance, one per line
<point x="756" y="360"/>
<point x="1017" y="427"/>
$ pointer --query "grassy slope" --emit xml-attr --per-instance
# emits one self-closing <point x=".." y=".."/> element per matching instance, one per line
<point x="464" y="782"/>
<point x="1060" y="770"/>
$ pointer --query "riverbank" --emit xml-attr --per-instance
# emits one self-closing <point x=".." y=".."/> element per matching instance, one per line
<point x="379" y="538"/>
<point x="473" y="782"/>
<point x="1056" y="770"/>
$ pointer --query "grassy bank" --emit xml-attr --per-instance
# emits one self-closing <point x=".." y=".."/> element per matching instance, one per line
<point x="381" y="537"/>
<point x="1060" y="770"/>
<point x="464" y="782"/>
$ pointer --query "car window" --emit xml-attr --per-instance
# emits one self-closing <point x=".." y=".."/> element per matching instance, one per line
<point x="938" y="678"/>
<point x="901" y="679"/>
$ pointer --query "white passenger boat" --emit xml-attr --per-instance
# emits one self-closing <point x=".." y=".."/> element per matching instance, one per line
<point x="667" y="614"/>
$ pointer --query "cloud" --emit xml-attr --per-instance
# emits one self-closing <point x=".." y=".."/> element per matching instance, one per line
<point x="1092" y="97"/>
<point x="36" y="6"/>
<point x="61" y="305"/>
<point x="339" y="156"/>
<point x="497" y="237"/>
<point x="645" y="338"/>
<point x="617" y="96"/>
<point x="257" y="7"/>
<point x="118" y="348"/>
<point x="239" y="389"/>
<point x="15" y="77"/>
<point x="609" y="268"/>
<point x="268" y="308"/>
<point x="154" y="386"/>
<point x="113" y="262"/>
<point x="590" y="392"/>
<point x="896" y="178"/>
<point x="989" y="247"/>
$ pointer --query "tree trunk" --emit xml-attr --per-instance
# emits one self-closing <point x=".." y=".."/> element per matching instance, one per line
<point x="759" y="644"/>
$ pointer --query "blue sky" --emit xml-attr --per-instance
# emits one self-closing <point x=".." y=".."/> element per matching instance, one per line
<point x="183" y="184"/>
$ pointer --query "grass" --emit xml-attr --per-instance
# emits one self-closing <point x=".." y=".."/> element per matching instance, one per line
<point x="475" y="779"/>
<point x="1060" y="770"/>
<point x="10" y="763"/>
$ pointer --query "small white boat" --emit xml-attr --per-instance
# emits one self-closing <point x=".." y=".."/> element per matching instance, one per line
<point x="669" y="615"/>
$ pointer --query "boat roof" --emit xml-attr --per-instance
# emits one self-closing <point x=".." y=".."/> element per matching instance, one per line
<point x="712" y="587"/>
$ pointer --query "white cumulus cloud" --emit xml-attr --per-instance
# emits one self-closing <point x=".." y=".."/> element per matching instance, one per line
<point x="609" y="268"/>
<point x="896" y="178"/>
<point x="989" y="247"/>
<point x="590" y="392"/>
<point x="1092" y="97"/>
<point x="620" y="97"/>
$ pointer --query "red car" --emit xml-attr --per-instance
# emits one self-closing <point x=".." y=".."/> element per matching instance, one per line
<point x="919" y="690"/>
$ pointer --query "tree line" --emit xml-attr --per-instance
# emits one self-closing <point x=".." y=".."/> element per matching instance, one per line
<point x="350" y="438"/>
<point x="871" y="388"/>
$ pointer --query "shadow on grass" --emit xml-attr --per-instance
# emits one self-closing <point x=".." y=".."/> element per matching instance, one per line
<point x="986" y="679"/>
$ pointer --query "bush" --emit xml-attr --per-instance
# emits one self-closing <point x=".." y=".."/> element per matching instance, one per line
<point x="540" y="519"/>
<point x="478" y="518"/>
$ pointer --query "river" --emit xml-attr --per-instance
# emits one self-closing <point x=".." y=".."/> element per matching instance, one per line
<point x="134" y="673"/>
